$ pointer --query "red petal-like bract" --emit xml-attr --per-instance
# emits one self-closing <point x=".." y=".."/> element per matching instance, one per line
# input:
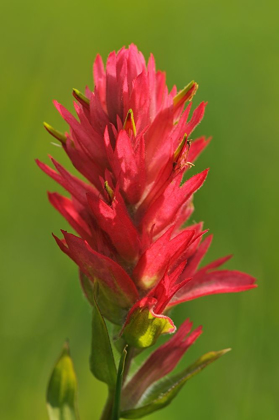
<point x="132" y="143"/>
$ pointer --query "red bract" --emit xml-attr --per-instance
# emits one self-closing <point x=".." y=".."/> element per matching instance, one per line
<point x="160" y="363"/>
<point x="132" y="144"/>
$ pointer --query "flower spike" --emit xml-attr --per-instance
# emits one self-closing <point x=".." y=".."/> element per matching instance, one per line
<point x="136" y="249"/>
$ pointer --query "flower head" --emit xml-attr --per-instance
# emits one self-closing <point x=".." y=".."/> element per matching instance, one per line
<point x="133" y="144"/>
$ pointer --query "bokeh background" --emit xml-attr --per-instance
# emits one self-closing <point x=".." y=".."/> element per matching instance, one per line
<point x="231" y="50"/>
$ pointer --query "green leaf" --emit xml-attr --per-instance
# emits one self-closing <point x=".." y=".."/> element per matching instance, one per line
<point x="117" y="398"/>
<point x="102" y="363"/>
<point x="163" y="392"/>
<point x="62" y="389"/>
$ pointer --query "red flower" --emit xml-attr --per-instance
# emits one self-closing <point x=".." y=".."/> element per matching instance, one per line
<point x="132" y="144"/>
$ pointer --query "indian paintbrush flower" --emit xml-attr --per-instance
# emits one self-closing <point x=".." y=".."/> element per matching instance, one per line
<point x="132" y="143"/>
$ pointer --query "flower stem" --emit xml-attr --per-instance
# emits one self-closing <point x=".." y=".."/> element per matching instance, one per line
<point x="107" y="411"/>
<point x="118" y="389"/>
<point x="129" y="358"/>
<point x="112" y="408"/>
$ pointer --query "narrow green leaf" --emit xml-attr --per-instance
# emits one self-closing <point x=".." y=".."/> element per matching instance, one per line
<point x="102" y="363"/>
<point x="62" y="389"/>
<point x="163" y="392"/>
<point x="117" y="398"/>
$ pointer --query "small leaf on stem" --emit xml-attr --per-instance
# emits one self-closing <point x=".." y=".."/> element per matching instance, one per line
<point x="163" y="392"/>
<point x="102" y="363"/>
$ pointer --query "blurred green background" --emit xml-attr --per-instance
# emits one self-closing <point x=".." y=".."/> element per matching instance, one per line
<point x="231" y="50"/>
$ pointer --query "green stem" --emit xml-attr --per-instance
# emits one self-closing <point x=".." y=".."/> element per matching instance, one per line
<point x="107" y="411"/>
<point x="129" y="358"/>
<point x="118" y="389"/>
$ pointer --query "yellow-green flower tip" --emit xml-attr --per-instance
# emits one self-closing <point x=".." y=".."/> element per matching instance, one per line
<point x="109" y="190"/>
<point x="81" y="97"/>
<point x="129" y="123"/>
<point x="56" y="134"/>
<point x="186" y="94"/>
<point x="180" y="147"/>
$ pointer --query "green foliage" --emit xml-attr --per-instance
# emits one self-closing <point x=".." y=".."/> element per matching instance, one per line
<point x="62" y="389"/>
<point x="102" y="363"/>
<point x="163" y="392"/>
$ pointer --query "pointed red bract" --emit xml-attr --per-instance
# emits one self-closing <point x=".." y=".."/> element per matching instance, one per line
<point x="212" y="282"/>
<point x="164" y="209"/>
<point x="115" y="221"/>
<point x="164" y="251"/>
<point x="100" y="268"/>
